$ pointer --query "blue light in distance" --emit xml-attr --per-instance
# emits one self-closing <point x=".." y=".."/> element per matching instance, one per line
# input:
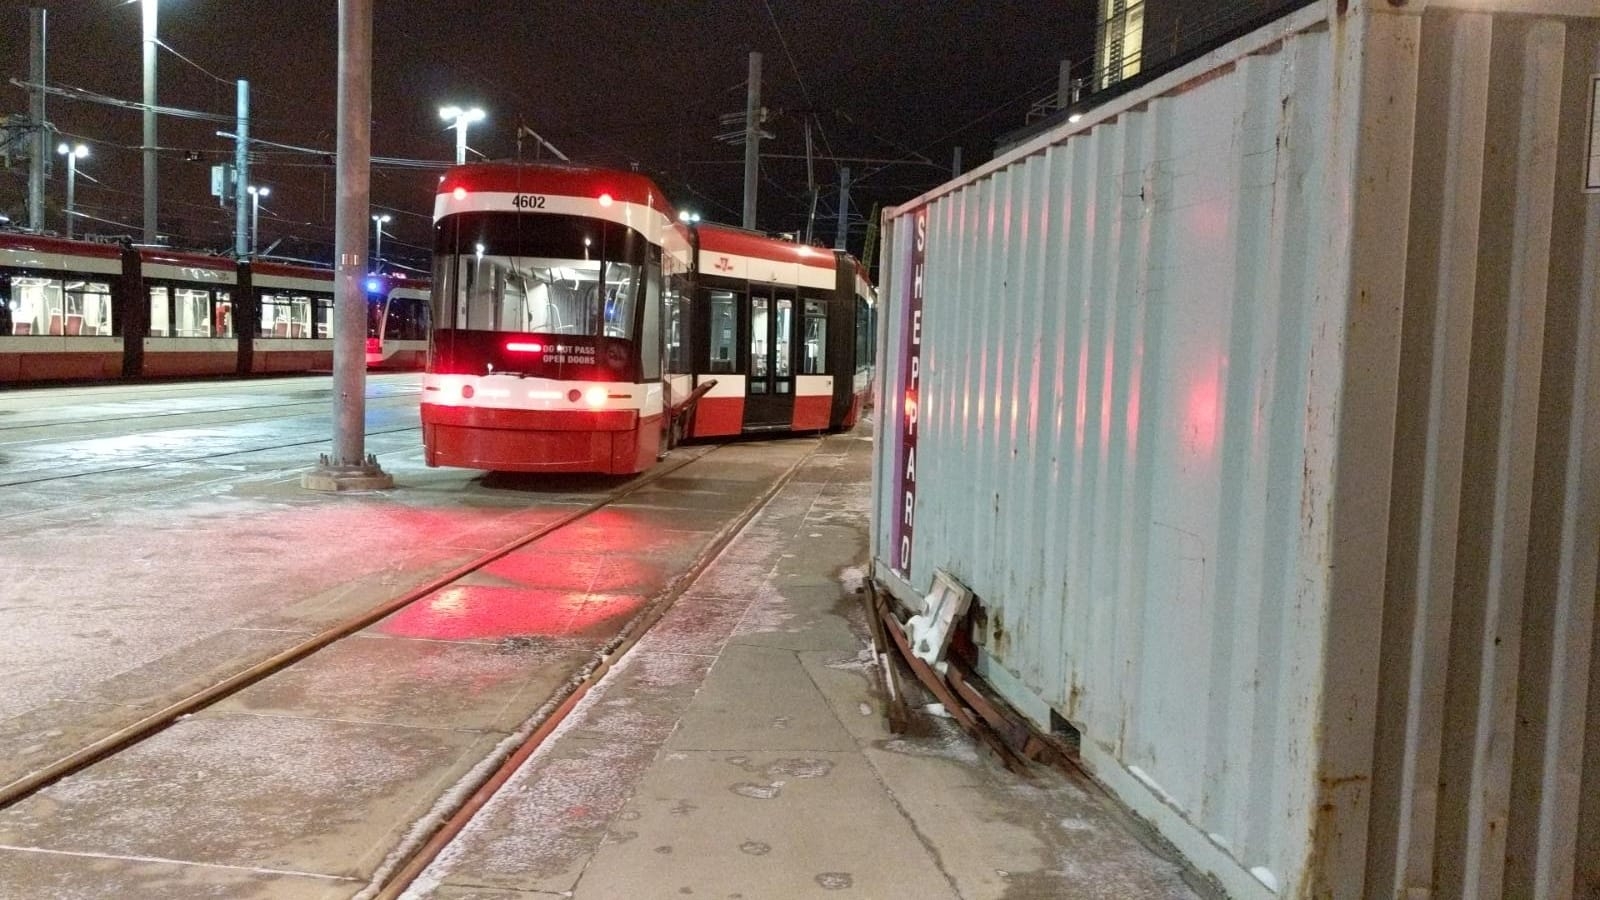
<point x="374" y="286"/>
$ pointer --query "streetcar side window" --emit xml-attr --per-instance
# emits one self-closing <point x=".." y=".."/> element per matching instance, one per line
<point x="724" y="323"/>
<point x="760" y="309"/>
<point x="160" y="312"/>
<point x="782" y="335"/>
<point x="650" y="333"/>
<point x="285" y="315"/>
<point x="322" y="308"/>
<point x="193" y="307"/>
<point x="815" y="361"/>
<point x="677" y="329"/>
<point x="222" y="315"/>
<point x="407" y="320"/>
<point x="51" y="306"/>
<point x="863" y="335"/>
<point x="88" y="308"/>
<point x="620" y="293"/>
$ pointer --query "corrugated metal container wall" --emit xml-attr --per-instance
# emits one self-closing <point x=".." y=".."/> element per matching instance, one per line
<point x="1261" y="412"/>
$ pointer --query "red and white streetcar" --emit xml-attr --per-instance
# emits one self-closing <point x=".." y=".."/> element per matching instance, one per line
<point x="577" y="319"/>
<point x="79" y="310"/>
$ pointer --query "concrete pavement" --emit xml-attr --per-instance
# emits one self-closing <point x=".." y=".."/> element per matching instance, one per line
<point x="738" y="751"/>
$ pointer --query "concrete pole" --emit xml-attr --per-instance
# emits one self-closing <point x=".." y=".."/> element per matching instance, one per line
<point x="149" y="121"/>
<point x="41" y="136"/>
<point x="840" y="236"/>
<point x="955" y="163"/>
<point x="72" y="188"/>
<point x="752" y="140"/>
<point x="461" y="139"/>
<point x="377" y="249"/>
<point x="1064" y="96"/>
<point x="348" y="467"/>
<point x="255" y="220"/>
<point x="241" y="167"/>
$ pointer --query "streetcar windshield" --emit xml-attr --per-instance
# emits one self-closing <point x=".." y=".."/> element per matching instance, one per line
<point x="546" y="274"/>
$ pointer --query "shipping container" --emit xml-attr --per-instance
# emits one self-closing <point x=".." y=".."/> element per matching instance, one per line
<point x="1260" y="410"/>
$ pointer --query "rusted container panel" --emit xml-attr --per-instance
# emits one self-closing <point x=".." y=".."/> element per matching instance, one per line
<point x="1261" y="411"/>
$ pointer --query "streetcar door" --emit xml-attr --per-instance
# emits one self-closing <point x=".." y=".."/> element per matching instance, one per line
<point x="769" y="398"/>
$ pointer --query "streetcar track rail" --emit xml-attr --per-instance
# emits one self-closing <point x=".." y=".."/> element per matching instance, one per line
<point x="424" y="844"/>
<point x="189" y="485"/>
<point x="156" y="722"/>
<point x="278" y="407"/>
<point x="396" y="390"/>
<point x="115" y="470"/>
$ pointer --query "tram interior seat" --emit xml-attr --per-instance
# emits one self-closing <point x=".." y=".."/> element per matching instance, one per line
<point x="22" y="328"/>
<point x="74" y="324"/>
<point x="55" y="324"/>
<point x="280" y="329"/>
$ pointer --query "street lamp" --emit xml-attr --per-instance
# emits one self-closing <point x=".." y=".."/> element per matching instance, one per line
<point x="377" y="253"/>
<point x="460" y="119"/>
<point x="256" y="193"/>
<point x="73" y="154"/>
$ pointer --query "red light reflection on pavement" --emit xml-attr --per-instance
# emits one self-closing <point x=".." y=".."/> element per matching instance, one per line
<point x="581" y="573"/>
<point x="476" y="612"/>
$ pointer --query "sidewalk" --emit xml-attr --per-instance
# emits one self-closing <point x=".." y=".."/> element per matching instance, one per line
<point x="738" y="751"/>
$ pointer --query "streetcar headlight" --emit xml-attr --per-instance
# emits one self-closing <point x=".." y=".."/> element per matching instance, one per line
<point x="596" y="396"/>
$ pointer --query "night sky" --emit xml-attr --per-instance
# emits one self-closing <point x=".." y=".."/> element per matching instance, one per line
<point x="608" y="83"/>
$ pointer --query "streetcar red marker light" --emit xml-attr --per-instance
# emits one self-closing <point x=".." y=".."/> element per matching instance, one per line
<point x="525" y="347"/>
<point x="459" y="193"/>
<point x="467" y="392"/>
<point x="605" y="199"/>
<point x="574" y="395"/>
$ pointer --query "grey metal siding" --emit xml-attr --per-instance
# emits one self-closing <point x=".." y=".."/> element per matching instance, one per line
<point x="1260" y="412"/>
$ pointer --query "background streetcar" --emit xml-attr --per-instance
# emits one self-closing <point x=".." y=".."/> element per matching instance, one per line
<point x="78" y="310"/>
<point x="581" y="327"/>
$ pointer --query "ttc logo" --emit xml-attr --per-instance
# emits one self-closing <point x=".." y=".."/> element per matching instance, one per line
<point x="723" y="264"/>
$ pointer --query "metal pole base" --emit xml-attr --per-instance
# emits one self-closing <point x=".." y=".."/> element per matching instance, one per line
<point x="330" y="478"/>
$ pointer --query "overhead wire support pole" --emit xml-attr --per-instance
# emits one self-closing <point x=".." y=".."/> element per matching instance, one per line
<point x="41" y="134"/>
<point x="150" y="228"/>
<point x="840" y="237"/>
<point x="241" y="169"/>
<point x="349" y="467"/>
<point x="752" y="140"/>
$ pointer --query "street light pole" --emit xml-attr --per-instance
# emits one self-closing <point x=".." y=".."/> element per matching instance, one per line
<point x="41" y="134"/>
<point x="377" y="251"/>
<point x="73" y="154"/>
<point x="348" y="466"/>
<point x="149" y="121"/>
<point x="460" y="119"/>
<point x="256" y="193"/>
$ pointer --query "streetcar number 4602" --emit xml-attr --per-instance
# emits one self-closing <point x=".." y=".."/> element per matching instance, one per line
<point x="528" y="201"/>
